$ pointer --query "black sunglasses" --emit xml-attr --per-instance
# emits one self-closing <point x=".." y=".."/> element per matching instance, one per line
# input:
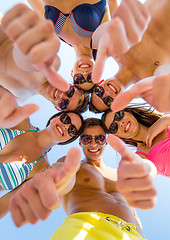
<point x="99" y="139"/>
<point x="72" y="130"/>
<point x="63" y="103"/>
<point x="99" y="91"/>
<point x="113" y="128"/>
<point x="79" y="78"/>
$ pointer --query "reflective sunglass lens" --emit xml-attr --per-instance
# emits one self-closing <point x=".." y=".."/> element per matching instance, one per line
<point x="100" y="139"/>
<point x="70" y="92"/>
<point x="63" y="103"/>
<point x="119" y="115"/>
<point x="99" y="91"/>
<point x="72" y="130"/>
<point x="78" y="79"/>
<point x="64" y="118"/>
<point x="86" y="139"/>
<point x="108" y="100"/>
<point x="89" y="78"/>
<point x="113" y="128"/>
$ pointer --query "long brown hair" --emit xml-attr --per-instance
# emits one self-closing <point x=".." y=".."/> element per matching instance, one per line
<point x="144" y="115"/>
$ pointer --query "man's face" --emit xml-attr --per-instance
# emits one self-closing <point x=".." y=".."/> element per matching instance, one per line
<point x="59" y="98"/>
<point x="101" y="94"/>
<point x="93" y="150"/>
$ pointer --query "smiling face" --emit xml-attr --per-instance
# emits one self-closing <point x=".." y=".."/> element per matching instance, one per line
<point x="128" y="127"/>
<point x="93" y="151"/>
<point x="111" y="89"/>
<point x="83" y="66"/>
<point x="57" y="97"/>
<point x="61" y="131"/>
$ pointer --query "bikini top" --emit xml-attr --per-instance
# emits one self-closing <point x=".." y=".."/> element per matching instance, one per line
<point x="85" y="18"/>
<point x="160" y="155"/>
<point x="13" y="174"/>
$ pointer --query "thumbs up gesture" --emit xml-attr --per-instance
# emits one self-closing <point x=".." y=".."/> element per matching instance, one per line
<point x="135" y="176"/>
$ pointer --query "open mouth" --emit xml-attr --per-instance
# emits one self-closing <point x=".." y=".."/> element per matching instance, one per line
<point x="84" y="65"/>
<point x="127" y="127"/>
<point x="112" y="88"/>
<point x="93" y="151"/>
<point x="56" y="93"/>
<point x="60" y="130"/>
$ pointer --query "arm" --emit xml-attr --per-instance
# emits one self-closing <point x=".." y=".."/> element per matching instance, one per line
<point x="159" y="126"/>
<point x="11" y="113"/>
<point x="39" y="53"/>
<point x="36" y="192"/>
<point x="128" y="23"/>
<point x="38" y="6"/>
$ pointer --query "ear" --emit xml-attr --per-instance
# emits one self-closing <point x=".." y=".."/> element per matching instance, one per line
<point x="72" y="72"/>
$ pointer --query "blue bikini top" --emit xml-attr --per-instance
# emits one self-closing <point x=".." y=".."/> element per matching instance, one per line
<point x="84" y="18"/>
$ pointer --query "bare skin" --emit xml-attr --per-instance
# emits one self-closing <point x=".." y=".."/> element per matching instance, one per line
<point x="143" y="59"/>
<point x="129" y="127"/>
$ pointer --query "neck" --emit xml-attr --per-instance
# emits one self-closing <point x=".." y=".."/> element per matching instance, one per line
<point x="142" y="132"/>
<point x="97" y="162"/>
<point x="44" y="139"/>
<point x="82" y="50"/>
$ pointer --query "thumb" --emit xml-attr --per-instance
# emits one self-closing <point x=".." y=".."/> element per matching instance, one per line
<point x="53" y="77"/>
<point x="99" y="62"/>
<point x="20" y="114"/>
<point x="121" y="148"/>
<point x="70" y="167"/>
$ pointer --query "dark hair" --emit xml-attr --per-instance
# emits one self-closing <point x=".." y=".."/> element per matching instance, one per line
<point x="92" y="108"/>
<point x="92" y="122"/>
<point x="83" y="101"/>
<point x="144" y="116"/>
<point x="79" y="131"/>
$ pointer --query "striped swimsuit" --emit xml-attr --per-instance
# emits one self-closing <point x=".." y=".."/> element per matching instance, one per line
<point x="13" y="174"/>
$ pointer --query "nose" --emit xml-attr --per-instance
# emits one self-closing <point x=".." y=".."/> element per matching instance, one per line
<point x="93" y="143"/>
<point x="121" y="123"/>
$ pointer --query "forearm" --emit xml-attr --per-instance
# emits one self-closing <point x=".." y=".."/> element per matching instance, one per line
<point x="4" y="203"/>
<point x="37" y="5"/>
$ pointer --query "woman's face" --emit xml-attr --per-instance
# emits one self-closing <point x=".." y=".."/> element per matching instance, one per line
<point x="63" y="100"/>
<point x="81" y="73"/>
<point x="65" y="126"/>
<point x="128" y="126"/>
<point x="108" y="89"/>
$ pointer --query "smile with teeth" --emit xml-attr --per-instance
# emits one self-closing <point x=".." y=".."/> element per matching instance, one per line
<point x="60" y="130"/>
<point x="112" y="88"/>
<point x="55" y="93"/>
<point x="94" y="150"/>
<point x="84" y="65"/>
<point x="127" y="127"/>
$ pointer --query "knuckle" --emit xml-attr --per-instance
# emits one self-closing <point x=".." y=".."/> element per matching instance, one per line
<point x="34" y="55"/>
<point x="22" y="46"/>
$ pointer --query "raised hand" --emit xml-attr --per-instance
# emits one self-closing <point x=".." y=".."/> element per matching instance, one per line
<point x="135" y="176"/>
<point x="126" y="28"/>
<point x="32" y="202"/>
<point x="11" y="114"/>
<point x="155" y="90"/>
<point x="160" y="125"/>
<point x="36" y="40"/>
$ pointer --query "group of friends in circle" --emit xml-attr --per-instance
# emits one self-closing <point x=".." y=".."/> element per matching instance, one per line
<point x="24" y="147"/>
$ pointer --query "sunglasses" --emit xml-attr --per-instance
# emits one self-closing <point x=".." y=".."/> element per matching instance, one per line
<point x="79" y="78"/>
<point x="99" y="91"/>
<point x="72" y="130"/>
<point x="99" y="139"/>
<point x="63" y="103"/>
<point x="113" y="128"/>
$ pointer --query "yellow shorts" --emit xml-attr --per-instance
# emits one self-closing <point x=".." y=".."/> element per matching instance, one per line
<point x="95" y="226"/>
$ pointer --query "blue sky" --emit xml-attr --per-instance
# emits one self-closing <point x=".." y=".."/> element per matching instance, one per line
<point x="155" y="222"/>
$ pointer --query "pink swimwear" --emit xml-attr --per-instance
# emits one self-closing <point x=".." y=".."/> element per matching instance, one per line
<point x="160" y="155"/>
